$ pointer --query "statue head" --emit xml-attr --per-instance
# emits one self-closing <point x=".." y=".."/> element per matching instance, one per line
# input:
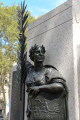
<point x="37" y="53"/>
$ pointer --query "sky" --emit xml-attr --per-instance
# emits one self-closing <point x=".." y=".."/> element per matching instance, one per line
<point x="36" y="7"/>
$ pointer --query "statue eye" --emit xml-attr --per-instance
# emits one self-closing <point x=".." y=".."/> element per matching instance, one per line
<point x="37" y="52"/>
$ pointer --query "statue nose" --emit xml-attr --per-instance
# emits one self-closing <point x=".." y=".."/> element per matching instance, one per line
<point x="40" y="53"/>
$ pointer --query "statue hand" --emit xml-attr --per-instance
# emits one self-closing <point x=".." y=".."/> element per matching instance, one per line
<point x="34" y="90"/>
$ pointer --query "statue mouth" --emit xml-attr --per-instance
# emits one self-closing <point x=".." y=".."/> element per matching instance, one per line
<point x="40" y="58"/>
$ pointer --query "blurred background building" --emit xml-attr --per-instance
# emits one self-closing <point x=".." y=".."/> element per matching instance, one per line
<point x="4" y="98"/>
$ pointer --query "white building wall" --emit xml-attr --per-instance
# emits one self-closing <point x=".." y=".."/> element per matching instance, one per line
<point x="7" y="99"/>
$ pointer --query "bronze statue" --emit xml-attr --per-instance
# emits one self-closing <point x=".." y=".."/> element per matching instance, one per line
<point x="47" y="90"/>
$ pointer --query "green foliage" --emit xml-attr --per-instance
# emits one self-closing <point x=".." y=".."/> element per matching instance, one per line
<point x="8" y="38"/>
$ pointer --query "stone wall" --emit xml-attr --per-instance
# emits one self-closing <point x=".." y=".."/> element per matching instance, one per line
<point x="14" y="99"/>
<point x="16" y="105"/>
<point x="56" y="30"/>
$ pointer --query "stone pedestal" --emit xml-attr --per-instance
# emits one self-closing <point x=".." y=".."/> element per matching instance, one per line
<point x="16" y="105"/>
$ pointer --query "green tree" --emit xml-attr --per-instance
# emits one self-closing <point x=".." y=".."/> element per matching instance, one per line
<point x="4" y="69"/>
<point x="8" y="39"/>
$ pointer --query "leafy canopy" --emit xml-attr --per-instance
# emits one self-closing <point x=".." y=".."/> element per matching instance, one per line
<point x="8" y="37"/>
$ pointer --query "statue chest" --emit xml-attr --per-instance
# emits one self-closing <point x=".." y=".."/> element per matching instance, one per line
<point x="36" y="78"/>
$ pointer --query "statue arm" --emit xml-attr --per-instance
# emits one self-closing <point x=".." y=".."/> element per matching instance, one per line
<point x="54" y="88"/>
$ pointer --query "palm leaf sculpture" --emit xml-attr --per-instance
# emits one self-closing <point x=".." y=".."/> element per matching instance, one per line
<point x="22" y="54"/>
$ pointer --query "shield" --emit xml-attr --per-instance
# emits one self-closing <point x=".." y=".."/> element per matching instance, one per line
<point x="46" y="106"/>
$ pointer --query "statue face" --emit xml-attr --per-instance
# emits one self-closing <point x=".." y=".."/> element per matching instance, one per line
<point x="39" y="55"/>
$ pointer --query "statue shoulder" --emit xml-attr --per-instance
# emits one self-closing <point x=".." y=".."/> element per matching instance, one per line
<point x="28" y="66"/>
<point x="50" y="67"/>
<point x="53" y="73"/>
<point x="54" y="76"/>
